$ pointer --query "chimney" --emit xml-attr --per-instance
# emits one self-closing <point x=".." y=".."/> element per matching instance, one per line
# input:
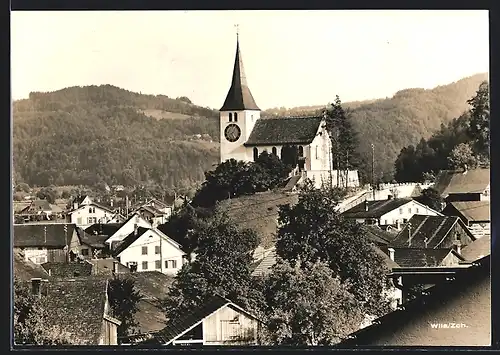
<point x="459" y="249"/>
<point x="35" y="286"/>
<point x="391" y="253"/>
<point x="115" y="267"/>
<point x="366" y="206"/>
<point x="389" y="197"/>
<point x="136" y="227"/>
<point x="111" y="202"/>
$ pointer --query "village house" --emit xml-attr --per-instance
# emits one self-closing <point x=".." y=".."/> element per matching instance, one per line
<point x="81" y="200"/>
<point x="87" y="214"/>
<point x="146" y="249"/>
<point x="475" y="215"/>
<point x="44" y="242"/>
<point x="24" y="269"/>
<point x="153" y="215"/>
<point x="124" y="230"/>
<point x="390" y="212"/>
<point x="433" y="232"/>
<point x="218" y="322"/>
<point x="465" y="185"/>
<point x="244" y="134"/>
<point x="78" y="310"/>
<point x="91" y="245"/>
<point x="37" y="210"/>
<point x="455" y="312"/>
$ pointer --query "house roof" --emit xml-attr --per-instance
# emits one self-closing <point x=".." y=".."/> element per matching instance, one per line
<point x="178" y="327"/>
<point x="378" y="235"/>
<point x="473" y="210"/>
<point x="464" y="299"/>
<point x="284" y="130"/>
<point x="76" y="309"/>
<point x="263" y="266"/>
<point x="239" y="97"/>
<point x="37" y="205"/>
<point x="456" y="182"/>
<point x="152" y="284"/>
<point x="128" y="240"/>
<point x="107" y="229"/>
<point x="434" y="228"/>
<point x="478" y="249"/>
<point x="413" y="257"/>
<point x="65" y="269"/>
<point x="376" y="209"/>
<point x="42" y="235"/>
<point x="102" y="207"/>
<point x="151" y="210"/>
<point x="150" y="316"/>
<point x="26" y="270"/>
<point x="93" y="240"/>
<point x="79" y="199"/>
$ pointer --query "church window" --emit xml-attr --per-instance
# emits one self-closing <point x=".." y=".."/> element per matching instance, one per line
<point x="230" y="117"/>
<point x="301" y="151"/>
<point x="316" y="152"/>
<point x="235" y="117"/>
<point x="255" y="154"/>
<point x="275" y="151"/>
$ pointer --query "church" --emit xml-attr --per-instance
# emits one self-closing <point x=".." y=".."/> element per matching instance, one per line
<point x="244" y="135"/>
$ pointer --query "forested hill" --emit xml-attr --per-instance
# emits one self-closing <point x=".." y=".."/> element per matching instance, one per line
<point x="396" y="122"/>
<point x="84" y="135"/>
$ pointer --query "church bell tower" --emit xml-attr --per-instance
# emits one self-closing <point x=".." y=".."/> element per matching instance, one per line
<point x="237" y="115"/>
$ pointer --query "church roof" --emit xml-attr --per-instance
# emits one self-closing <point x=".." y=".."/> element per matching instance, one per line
<point x="285" y="130"/>
<point x="239" y="97"/>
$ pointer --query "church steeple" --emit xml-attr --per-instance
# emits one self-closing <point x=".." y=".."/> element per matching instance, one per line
<point x="239" y="97"/>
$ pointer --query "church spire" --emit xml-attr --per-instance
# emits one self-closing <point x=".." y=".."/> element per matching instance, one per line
<point x="239" y="97"/>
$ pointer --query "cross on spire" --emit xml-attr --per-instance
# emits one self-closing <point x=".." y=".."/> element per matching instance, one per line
<point x="237" y="30"/>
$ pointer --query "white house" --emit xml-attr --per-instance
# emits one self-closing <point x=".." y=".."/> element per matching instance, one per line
<point x="128" y="227"/>
<point x="389" y="212"/>
<point x="146" y="249"/>
<point x="81" y="201"/>
<point x="87" y="214"/>
<point x="244" y="135"/>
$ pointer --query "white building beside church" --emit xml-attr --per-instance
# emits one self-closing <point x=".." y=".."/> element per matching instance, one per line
<point x="245" y="135"/>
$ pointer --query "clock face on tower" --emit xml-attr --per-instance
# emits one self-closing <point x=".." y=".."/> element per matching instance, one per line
<point x="232" y="132"/>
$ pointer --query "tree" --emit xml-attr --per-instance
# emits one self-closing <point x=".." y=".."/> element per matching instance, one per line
<point x="308" y="305"/>
<point x="47" y="193"/>
<point x="431" y="198"/>
<point x="479" y="126"/>
<point x="311" y="230"/>
<point x="123" y="299"/>
<point x="275" y="170"/>
<point x="462" y="157"/>
<point x="22" y="187"/>
<point x="222" y="266"/>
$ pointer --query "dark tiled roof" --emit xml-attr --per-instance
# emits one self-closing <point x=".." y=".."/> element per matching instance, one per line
<point x="285" y="130"/>
<point x="151" y="284"/>
<point x="391" y="264"/>
<point x="376" y="208"/>
<point x="26" y="270"/>
<point x="72" y="269"/>
<point x="128" y="240"/>
<point x="464" y="300"/>
<point x="178" y="326"/>
<point x="95" y="241"/>
<point x="105" y="267"/>
<point x="37" y="205"/>
<point x="239" y="97"/>
<point x="434" y="228"/>
<point x="456" y="182"/>
<point x="479" y="248"/>
<point x="412" y="257"/>
<point x="151" y="317"/>
<point x="152" y="210"/>
<point x="470" y="210"/>
<point x="76" y="309"/>
<point x="107" y="229"/>
<point x="377" y="235"/>
<point x="42" y="235"/>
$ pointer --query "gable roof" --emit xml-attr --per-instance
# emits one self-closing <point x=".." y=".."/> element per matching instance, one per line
<point x="478" y="249"/>
<point x="434" y="228"/>
<point x="75" y="308"/>
<point x="284" y="130"/>
<point x="155" y="212"/>
<point x="466" y="299"/>
<point x="94" y="204"/>
<point x="71" y="269"/>
<point x="389" y="263"/>
<point x="92" y="240"/>
<point x="43" y="235"/>
<point x="107" y="229"/>
<point x="79" y="199"/>
<point x="376" y="209"/>
<point x="26" y="269"/>
<point x="378" y="235"/>
<point x="104" y="267"/>
<point x="178" y="327"/>
<point x="239" y="97"/>
<point x="132" y="237"/>
<point x="472" y="210"/>
<point x="413" y="257"/>
<point x="37" y="205"/>
<point x="456" y="182"/>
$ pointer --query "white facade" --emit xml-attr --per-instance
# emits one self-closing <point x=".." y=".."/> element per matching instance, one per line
<point x="86" y="215"/>
<point x="245" y="121"/>
<point x="128" y="227"/>
<point x="153" y="251"/>
<point x="36" y="255"/>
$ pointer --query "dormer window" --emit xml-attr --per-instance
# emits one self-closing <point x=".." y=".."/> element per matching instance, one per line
<point x="230" y="117"/>
<point x="235" y="117"/>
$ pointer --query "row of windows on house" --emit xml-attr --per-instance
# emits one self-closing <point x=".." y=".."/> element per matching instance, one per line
<point x="274" y="151"/>
<point x="90" y="220"/>
<point x="233" y="117"/>
<point x="169" y="264"/>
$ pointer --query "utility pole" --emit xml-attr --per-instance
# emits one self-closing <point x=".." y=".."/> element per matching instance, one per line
<point x="373" y="171"/>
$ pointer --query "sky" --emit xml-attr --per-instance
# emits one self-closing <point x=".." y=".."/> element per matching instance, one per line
<point x="291" y="58"/>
